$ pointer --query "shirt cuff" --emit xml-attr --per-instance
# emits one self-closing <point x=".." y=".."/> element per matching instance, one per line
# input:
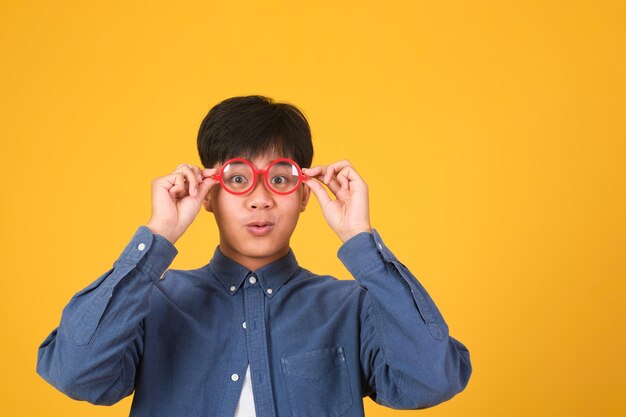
<point x="150" y="252"/>
<point x="362" y="251"/>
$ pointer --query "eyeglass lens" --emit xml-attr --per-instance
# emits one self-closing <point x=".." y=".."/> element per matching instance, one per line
<point x="239" y="177"/>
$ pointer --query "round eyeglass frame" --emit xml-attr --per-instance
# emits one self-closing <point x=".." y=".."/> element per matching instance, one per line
<point x="220" y="176"/>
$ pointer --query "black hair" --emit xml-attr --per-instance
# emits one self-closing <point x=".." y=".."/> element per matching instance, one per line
<point x="249" y="126"/>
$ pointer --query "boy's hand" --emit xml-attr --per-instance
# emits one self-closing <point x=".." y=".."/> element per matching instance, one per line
<point x="177" y="199"/>
<point x="348" y="215"/>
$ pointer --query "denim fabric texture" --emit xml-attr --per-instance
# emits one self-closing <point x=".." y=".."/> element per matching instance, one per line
<point x="181" y="340"/>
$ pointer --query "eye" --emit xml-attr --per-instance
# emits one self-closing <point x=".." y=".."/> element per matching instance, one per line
<point x="238" y="179"/>
<point x="279" y="180"/>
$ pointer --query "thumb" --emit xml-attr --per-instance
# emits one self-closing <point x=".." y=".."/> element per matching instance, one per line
<point x="320" y="192"/>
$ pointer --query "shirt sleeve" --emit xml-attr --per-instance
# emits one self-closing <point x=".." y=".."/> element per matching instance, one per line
<point x="408" y="358"/>
<point x="94" y="352"/>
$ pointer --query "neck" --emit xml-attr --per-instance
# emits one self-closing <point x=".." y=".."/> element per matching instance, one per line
<point x="251" y="262"/>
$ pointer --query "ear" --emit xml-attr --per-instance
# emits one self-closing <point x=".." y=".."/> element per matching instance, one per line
<point x="207" y="202"/>
<point x="306" y="193"/>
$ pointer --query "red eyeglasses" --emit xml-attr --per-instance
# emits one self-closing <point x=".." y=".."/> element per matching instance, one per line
<point x="282" y="176"/>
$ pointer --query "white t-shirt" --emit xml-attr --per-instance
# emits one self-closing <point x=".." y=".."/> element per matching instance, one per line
<point x="245" y="408"/>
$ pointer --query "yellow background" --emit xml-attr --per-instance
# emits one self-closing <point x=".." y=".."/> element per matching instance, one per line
<point x="491" y="135"/>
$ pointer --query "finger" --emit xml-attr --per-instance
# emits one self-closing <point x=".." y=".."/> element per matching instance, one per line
<point x="178" y="190"/>
<point x="351" y="179"/>
<point x="324" y="173"/>
<point x="205" y="187"/>
<point x="208" y="172"/>
<point x="334" y="186"/>
<point x="196" y="172"/>
<point x="190" y="176"/>
<point x="319" y="173"/>
<point x="330" y="171"/>
<point x="345" y="174"/>
<point x="172" y="183"/>
<point x="350" y="173"/>
<point x="313" y="171"/>
<point x="343" y="180"/>
<point x="320" y="193"/>
<point x="338" y="166"/>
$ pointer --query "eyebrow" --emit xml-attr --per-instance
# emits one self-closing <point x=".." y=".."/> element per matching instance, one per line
<point x="281" y="163"/>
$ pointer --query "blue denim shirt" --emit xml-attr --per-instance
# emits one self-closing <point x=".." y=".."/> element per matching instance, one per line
<point x="316" y="345"/>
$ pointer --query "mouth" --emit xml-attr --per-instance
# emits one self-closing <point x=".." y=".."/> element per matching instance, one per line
<point x="260" y="228"/>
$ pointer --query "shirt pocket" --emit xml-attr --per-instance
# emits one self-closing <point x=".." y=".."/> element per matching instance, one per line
<point x="318" y="383"/>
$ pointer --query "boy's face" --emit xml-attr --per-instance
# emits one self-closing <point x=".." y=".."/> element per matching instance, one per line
<point x="254" y="247"/>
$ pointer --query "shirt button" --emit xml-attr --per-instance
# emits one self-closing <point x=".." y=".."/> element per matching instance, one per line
<point x="244" y="325"/>
<point x="380" y="246"/>
<point x="252" y="280"/>
<point x="269" y="291"/>
<point x="234" y="377"/>
<point x="233" y="288"/>
<point x="141" y="246"/>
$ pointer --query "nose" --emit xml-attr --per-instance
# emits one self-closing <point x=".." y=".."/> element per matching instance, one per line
<point x="260" y="197"/>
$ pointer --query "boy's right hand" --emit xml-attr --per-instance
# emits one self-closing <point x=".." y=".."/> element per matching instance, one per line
<point x="177" y="199"/>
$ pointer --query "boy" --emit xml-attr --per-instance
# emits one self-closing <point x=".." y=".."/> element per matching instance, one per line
<point x="252" y="333"/>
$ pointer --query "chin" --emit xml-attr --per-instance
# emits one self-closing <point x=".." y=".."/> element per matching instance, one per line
<point x="271" y="252"/>
<point x="261" y="248"/>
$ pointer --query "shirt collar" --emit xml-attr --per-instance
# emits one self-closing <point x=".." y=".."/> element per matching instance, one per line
<point x="272" y="276"/>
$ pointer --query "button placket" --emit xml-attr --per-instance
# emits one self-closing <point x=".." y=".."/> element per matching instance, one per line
<point x="256" y="339"/>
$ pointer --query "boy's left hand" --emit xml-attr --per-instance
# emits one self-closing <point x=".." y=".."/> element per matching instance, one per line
<point x="348" y="215"/>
